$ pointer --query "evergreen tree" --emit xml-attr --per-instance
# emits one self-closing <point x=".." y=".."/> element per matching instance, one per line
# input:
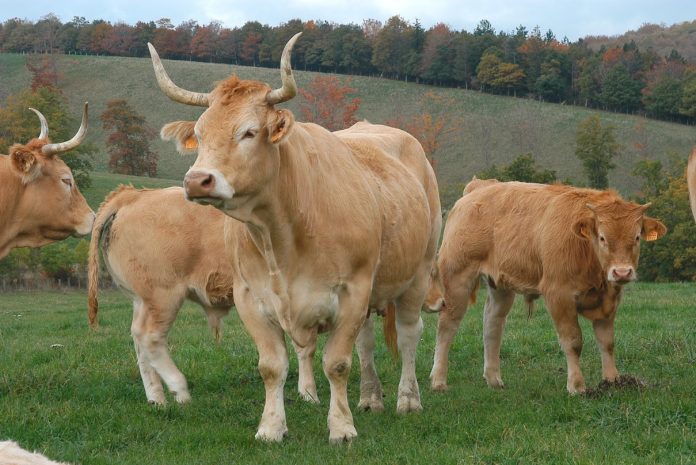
<point x="596" y="147"/>
<point x="620" y="92"/>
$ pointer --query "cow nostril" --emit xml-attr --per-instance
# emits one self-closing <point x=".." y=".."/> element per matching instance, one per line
<point x="208" y="181"/>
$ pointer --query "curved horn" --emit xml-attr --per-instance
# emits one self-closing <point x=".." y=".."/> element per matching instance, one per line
<point x="44" y="123"/>
<point x="170" y="89"/>
<point x="289" y="89"/>
<point x="52" y="149"/>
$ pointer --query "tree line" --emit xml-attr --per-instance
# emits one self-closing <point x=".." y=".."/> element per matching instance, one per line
<point x="521" y="62"/>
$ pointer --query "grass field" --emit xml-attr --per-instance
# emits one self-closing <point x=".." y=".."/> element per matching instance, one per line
<point x="489" y="129"/>
<point x="83" y="402"/>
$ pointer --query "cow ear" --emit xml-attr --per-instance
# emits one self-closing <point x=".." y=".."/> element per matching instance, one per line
<point x="584" y="228"/>
<point x="182" y="133"/>
<point x="652" y="229"/>
<point x="24" y="162"/>
<point x="280" y="125"/>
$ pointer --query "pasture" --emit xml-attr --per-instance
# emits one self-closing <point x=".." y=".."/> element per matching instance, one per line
<point x="83" y="401"/>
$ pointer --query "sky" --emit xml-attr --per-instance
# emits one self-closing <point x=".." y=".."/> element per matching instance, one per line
<point x="570" y="19"/>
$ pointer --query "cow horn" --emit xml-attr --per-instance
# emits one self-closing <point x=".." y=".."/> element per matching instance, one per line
<point x="52" y="149"/>
<point x="289" y="89"/>
<point x="642" y="208"/>
<point x="44" y="123"/>
<point x="173" y="91"/>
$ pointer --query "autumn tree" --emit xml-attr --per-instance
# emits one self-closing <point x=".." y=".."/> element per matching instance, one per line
<point x="129" y="141"/>
<point x="495" y="73"/>
<point x="431" y="124"/>
<point x="44" y="72"/>
<point x="325" y="101"/>
<point x="596" y="146"/>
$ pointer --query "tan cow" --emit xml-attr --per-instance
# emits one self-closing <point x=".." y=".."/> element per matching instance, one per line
<point x="161" y="250"/>
<point x="39" y="201"/>
<point x="576" y="247"/>
<point x="691" y="180"/>
<point x="328" y="229"/>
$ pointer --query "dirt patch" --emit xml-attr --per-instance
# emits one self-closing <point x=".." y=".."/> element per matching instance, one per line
<point x="622" y="383"/>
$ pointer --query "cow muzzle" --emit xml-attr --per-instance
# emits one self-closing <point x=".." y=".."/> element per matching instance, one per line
<point x="206" y="186"/>
<point x="622" y="274"/>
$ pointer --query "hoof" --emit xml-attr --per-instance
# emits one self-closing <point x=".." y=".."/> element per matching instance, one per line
<point x="371" y="404"/>
<point x="342" y="435"/>
<point x="408" y="404"/>
<point x="438" y="386"/>
<point x="182" y="397"/>
<point x="269" y="435"/>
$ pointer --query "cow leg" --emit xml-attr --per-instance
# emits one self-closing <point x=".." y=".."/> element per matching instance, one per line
<point x="151" y="380"/>
<point x="565" y="320"/>
<point x="338" y="357"/>
<point x="370" y="387"/>
<point x="159" y="316"/>
<point x="273" y="364"/>
<point x="604" y="333"/>
<point x="409" y="327"/>
<point x="306" y="385"/>
<point x="495" y="311"/>
<point x="450" y="317"/>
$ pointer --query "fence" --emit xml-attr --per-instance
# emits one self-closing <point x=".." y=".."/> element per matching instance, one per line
<point x="49" y="284"/>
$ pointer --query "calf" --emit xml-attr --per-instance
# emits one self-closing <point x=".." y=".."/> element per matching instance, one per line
<point x="576" y="247"/>
<point x="161" y="250"/>
<point x="39" y="200"/>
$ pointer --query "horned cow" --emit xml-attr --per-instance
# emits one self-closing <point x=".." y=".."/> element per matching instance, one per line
<point x="327" y="229"/>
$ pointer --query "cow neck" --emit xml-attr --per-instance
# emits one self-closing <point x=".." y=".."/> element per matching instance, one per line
<point x="11" y="189"/>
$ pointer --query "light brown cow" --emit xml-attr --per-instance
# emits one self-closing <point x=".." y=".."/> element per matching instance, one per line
<point x="576" y="247"/>
<point x="329" y="228"/>
<point x="39" y="201"/>
<point x="161" y="250"/>
<point x="691" y="180"/>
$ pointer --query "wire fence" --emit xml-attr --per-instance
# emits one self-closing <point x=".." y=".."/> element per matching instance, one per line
<point x="49" y="284"/>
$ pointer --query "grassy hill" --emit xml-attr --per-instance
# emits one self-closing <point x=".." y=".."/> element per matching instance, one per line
<point x="488" y="129"/>
<point x="103" y="183"/>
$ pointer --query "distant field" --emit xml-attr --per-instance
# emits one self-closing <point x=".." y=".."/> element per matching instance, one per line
<point x="103" y="183"/>
<point x="490" y="129"/>
<point x="83" y="402"/>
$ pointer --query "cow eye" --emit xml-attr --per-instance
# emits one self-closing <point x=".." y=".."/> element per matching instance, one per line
<point x="249" y="134"/>
<point x="67" y="181"/>
<point x="601" y="239"/>
<point x="638" y="238"/>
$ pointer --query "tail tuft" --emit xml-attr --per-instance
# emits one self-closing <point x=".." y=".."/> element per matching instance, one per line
<point x="390" y="335"/>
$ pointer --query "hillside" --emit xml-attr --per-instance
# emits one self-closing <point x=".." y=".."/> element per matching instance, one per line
<point x="663" y="39"/>
<point x="489" y="129"/>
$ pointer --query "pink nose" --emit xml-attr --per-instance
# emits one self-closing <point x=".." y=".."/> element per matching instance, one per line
<point x="622" y="274"/>
<point x="199" y="184"/>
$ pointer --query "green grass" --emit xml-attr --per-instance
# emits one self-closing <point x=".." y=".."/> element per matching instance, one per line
<point x="84" y="402"/>
<point x="490" y="129"/>
<point x="103" y="183"/>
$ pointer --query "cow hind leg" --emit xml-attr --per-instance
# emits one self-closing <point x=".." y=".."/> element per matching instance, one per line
<point x="457" y="294"/>
<point x="159" y="314"/>
<point x="151" y="380"/>
<point x="409" y="327"/>
<point x="498" y="305"/>
<point x="370" y="387"/>
<point x="306" y="385"/>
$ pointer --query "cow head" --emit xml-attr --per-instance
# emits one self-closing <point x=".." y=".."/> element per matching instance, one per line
<point x="615" y="229"/>
<point x="51" y="206"/>
<point x="237" y="137"/>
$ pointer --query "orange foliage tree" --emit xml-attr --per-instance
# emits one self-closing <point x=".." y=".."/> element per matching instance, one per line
<point x="326" y="102"/>
<point x="431" y="126"/>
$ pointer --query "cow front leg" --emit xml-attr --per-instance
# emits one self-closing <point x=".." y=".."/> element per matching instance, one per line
<point x="565" y="320"/>
<point x="495" y="311"/>
<point x="370" y="387"/>
<point x="338" y="356"/>
<point x="306" y="385"/>
<point x="273" y="364"/>
<point x="604" y="333"/>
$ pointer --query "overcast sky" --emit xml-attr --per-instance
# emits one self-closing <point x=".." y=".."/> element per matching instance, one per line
<point x="572" y="19"/>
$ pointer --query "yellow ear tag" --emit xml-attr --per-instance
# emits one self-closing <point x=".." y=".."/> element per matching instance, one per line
<point x="190" y="143"/>
<point x="652" y="236"/>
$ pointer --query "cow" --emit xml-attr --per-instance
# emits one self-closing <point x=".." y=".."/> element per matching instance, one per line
<point x="161" y="250"/>
<point x="691" y="181"/>
<point x="328" y="229"/>
<point x="576" y="247"/>
<point x="39" y="200"/>
<point x="12" y="454"/>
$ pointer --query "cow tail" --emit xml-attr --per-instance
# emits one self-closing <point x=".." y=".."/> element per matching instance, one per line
<point x="474" y="292"/>
<point x="389" y="325"/>
<point x="105" y="215"/>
